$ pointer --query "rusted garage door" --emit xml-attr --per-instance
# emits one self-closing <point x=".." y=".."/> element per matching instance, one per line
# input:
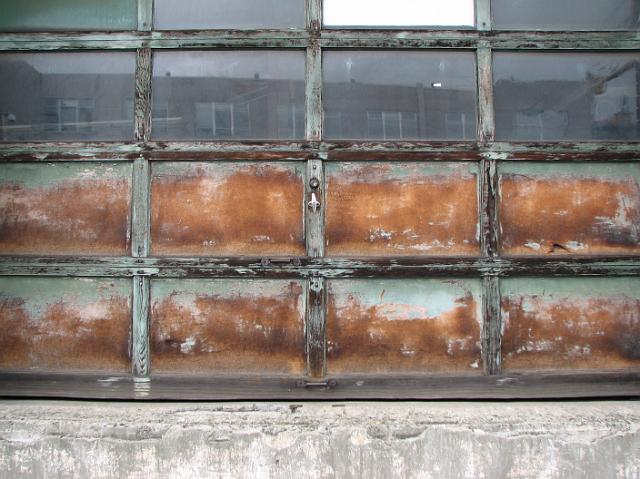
<point x="255" y="205"/>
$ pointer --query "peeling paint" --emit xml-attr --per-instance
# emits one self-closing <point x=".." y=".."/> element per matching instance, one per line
<point x="224" y="326"/>
<point x="383" y="326"/>
<point x="65" y="324"/>
<point x="402" y="209"/>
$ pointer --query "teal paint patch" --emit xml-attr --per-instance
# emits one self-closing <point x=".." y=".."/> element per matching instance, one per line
<point x="223" y="170"/>
<point x="399" y="171"/>
<point x="185" y="290"/>
<point x="38" y="293"/>
<point x="409" y="298"/>
<point x="557" y="289"/>
<point x="559" y="171"/>
<point x="47" y="175"/>
<point x="73" y="15"/>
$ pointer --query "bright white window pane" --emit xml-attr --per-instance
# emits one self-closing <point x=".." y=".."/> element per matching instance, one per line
<point x="409" y="13"/>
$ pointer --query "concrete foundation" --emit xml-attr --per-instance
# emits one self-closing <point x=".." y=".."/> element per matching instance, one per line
<point x="48" y="439"/>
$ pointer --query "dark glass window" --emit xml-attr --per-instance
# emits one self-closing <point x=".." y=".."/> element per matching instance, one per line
<point x="219" y="95"/>
<point x="49" y="15"/>
<point x="66" y="96"/>
<point x="567" y="96"/>
<point x="394" y="95"/>
<point x="565" y="14"/>
<point x="207" y="14"/>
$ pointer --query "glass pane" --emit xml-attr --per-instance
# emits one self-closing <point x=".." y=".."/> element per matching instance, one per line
<point x="218" y="95"/>
<point x="566" y="14"/>
<point x="66" y="96"/>
<point x="407" y="13"/>
<point x="386" y="95"/>
<point x="567" y="96"/>
<point x="207" y="14"/>
<point x="48" y="15"/>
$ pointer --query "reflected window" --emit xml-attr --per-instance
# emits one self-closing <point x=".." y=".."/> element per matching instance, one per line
<point x="66" y="96"/>
<point x="400" y="13"/>
<point x="229" y="94"/>
<point x="212" y="14"/>
<point x="567" y="96"/>
<point x="565" y="14"/>
<point x="399" y="95"/>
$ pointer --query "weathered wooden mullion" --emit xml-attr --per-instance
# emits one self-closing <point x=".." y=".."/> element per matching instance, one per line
<point x="145" y="15"/>
<point x="483" y="15"/>
<point x="315" y="328"/>
<point x="142" y="103"/>
<point x="491" y="327"/>
<point x="314" y="206"/>
<point x="432" y="39"/>
<point x="314" y="15"/>
<point x="140" y="357"/>
<point x="243" y="267"/>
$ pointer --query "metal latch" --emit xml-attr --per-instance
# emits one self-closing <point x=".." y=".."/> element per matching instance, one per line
<point x="314" y="204"/>
<point x="328" y="384"/>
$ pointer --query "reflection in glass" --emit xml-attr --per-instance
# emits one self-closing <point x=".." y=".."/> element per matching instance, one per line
<point x="218" y="95"/>
<point x="66" y="96"/>
<point x="567" y="96"/>
<point x="565" y="14"/>
<point x="74" y="15"/>
<point x="399" y="95"/>
<point x="211" y="14"/>
<point x="399" y="13"/>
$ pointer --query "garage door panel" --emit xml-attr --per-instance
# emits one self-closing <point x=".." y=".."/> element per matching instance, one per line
<point x="404" y="326"/>
<point x="65" y="208"/>
<point x="227" y="209"/>
<point x="570" y="209"/>
<point x="228" y="326"/>
<point x="65" y="324"/>
<point x="402" y="209"/>
<point x="576" y="323"/>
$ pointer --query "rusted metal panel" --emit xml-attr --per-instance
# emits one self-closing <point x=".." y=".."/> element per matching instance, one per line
<point x="65" y="324"/>
<point x="65" y="208"/>
<point x="402" y="209"/>
<point x="412" y="326"/>
<point x="228" y="326"/>
<point x="227" y="209"/>
<point x="569" y="209"/>
<point x="576" y="323"/>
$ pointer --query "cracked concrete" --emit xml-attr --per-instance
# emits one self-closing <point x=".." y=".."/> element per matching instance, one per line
<point x="56" y="439"/>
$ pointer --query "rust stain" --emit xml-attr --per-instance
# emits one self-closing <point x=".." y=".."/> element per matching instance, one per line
<point x="256" y="210"/>
<point x="66" y="336"/>
<point x="585" y="333"/>
<point x="363" y="339"/>
<point x="370" y="213"/>
<point x="233" y="333"/>
<point x="569" y="216"/>
<point x="88" y="216"/>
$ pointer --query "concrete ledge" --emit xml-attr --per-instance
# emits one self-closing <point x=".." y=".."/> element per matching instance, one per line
<point x="320" y="440"/>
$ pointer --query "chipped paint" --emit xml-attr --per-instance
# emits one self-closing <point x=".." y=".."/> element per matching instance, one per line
<point x="227" y="208"/>
<point x="417" y="326"/>
<point x="65" y="324"/>
<point x="65" y="208"/>
<point x="570" y="209"/>
<point x="223" y="326"/>
<point x="402" y="209"/>
<point x="590" y="323"/>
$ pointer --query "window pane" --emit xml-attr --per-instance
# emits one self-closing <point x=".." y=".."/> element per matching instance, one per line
<point x="399" y="95"/>
<point x="566" y="14"/>
<point x="567" y="96"/>
<point x="48" y="15"/>
<point x="206" y="14"/>
<point x="217" y="95"/>
<point x="408" y="13"/>
<point x="66" y="96"/>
